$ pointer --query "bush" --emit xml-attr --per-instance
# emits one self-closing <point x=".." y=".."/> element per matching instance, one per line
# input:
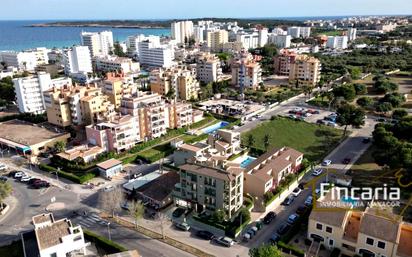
<point x="72" y="177"/>
<point x="108" y="246"/>
<point x="290" y="249"/>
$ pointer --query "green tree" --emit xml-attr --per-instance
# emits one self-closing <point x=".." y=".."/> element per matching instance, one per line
<point x="5" y="190"/>
<point x="395" y="99"/>
<point x="118" y="50"/>
<point x="266" y="141"/>
<point x="136" y="211"/>
<point x="383" y="107"/>
<point x="60" y="146"/>
<point x="346" y="91"/>
<point x="350" y="115"/>
<point x="219" y="216"/>
<point x="355" y="72"/>
<point x="383" y="85"/>
<point x="250" y="140"/>
<point x="360" y="89"/>
<point x="364" y="101"/>
<point x="265" y="250"/>
<point x="399" y="114"/>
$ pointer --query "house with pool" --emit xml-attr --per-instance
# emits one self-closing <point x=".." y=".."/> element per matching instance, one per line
<point x="266" y="172"/>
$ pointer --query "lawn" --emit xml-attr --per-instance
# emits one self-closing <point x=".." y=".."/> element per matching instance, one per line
<point x="315" y="141"/>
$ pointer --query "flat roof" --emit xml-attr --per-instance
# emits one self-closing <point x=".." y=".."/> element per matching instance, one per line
<point x="27" y="134"/>
<point x="161" y="187"/>
<point x="228" y="175"/>
<point x="108" y="164"/>
<point x="143" y="180"/>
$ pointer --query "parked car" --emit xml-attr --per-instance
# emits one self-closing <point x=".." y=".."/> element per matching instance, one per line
<point x="326" y="162"/>
<point x="332" y="124"/>
<point x="301" y="209"/>
<point x="11" y="174"/>
<point x="317" y="192"/>
<point x="33" y="180"/>
<point x="3" y="166"/>
<point x="292" y="116"/>
<point x="317" y="172"/>
<point x="289" y="200"/>
<point x="225" y="241"/>
<point x="25" y="178"/>
<point x="41" y="184"/>
<point x="293" y="218"/>
<point x="296" y="191"/>
<point x="366" y="140"/>
<point x="19" y="174"/>
<point x="274" y="239"/>
<point x="3" y="178"/>
<point x="178" y="212"/>
<point x="283" y="229"/>
<point x="269" y="217"/>
<point x="320" y="122"/>
<point x="204" y="234"/>
<point x="246" y="237"/>
<point x="108" y="188"/>
<point x="309" y="201"/>
<point x="346" y="160"/>
<point x="302" y="185"/>
<point x="182" y="226"/>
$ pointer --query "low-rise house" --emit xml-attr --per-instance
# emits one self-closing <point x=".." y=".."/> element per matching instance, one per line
<point x="85" y="153"/>
<point x="372" y="232"/>
<point x="266" y="172"/>
<point x="225" y="141"/>
<point x="110" y="168"/>
<point x="56" y="238"/>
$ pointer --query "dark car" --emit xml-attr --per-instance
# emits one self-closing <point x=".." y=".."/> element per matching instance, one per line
<point x="366" y="140"/>
<point x="33" y="180"/>
<point x="269" y="217"/>
<point x="301" y="210"/>
<point x="302" y="185"/>
<point x="41" y="184"/>
<point x="204" y="234"/>
<point x="178" y="212"/>
<point x="320" y="122"/>
<point x="274" y="239"/>
<point x="289" y="200"/>
<point x="346" y="160"/>
<point x="3" y="178"/>
<point x="283" y="229"/>
<point x="11" y="174"/>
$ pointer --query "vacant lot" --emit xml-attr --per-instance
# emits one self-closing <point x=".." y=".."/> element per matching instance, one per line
<point x="315" y="141"/>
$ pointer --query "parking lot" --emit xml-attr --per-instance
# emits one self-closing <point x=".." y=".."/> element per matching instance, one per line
<point x="311" y="115"/>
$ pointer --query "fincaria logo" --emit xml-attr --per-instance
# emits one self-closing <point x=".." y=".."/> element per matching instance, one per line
<point x="354" y="194"/>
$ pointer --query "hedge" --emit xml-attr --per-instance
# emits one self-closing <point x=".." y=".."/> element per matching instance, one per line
<point x="72" y="177"/>
<point x="107" y="245"/>
<point x="290" y="249"/>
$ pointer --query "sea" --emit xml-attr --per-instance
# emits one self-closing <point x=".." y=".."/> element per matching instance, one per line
<point x="17" y="35"/>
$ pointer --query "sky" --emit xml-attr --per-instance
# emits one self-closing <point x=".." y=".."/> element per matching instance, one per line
<point x="179" y="9"/>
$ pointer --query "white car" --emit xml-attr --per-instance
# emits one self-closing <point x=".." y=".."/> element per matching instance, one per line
<point x="183" y="226"/>
<point x="19" y="174"/>
<point x="326" y="162"/>
<point x="25" y="178"/>
<point x="296" y="191"/>
<point x="3" y="166"/>
<point x="317" y="172"/>
<point x="226" y="241"/>
<point x="108" y="188"/>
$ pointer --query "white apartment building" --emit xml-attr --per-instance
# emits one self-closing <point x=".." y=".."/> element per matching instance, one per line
<point x="57" y="238"/>
<point x="153" y="53"/>
<point x="114" y="63"/>
<point x="77" y="60"/>
<point x="352" y="34"/>
<point x="281" y="41"/>
<point x="29" y="91"/>
<point x="182" y="31"/>
<point x="208" y="68"/>
<point x="253" y="39"/>
<point x="22" y="60"/>
<point x="279" y="31"/>
<point x="296" y="32"/>
<point x="198" y="33"/>
<point x="132" y="43"/>
<point x="337" y="42"/>
<point x="99" y="43"/>
<point x="216" y="39"/>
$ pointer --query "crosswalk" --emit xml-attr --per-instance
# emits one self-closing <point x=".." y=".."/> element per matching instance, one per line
<point x="90" y="221"/>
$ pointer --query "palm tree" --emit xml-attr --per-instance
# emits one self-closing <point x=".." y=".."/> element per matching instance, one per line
<point x="266" y="141"/>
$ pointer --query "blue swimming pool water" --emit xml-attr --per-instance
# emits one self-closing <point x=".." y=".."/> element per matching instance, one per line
<point x="215" y="127"/>
<point x="247" y="161"/>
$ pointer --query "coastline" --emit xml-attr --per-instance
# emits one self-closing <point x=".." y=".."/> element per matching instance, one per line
<point x="45" y="25"/>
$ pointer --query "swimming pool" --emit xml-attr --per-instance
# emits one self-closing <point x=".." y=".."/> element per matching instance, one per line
<point x="215" y="127"/>
<point x="248" y="160"/>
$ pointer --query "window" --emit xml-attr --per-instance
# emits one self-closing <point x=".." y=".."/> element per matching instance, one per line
<point x="319" y="226"/>
<point x="331" y="242"/>
<point x="369" y="241"/>
<point x="329" y="229"/>
<point x="381" y="244"/>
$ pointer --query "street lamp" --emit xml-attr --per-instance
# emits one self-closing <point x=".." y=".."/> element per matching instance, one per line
<point x="108" y="230"/>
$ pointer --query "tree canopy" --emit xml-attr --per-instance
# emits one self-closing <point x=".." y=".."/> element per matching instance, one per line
<point x="265" y="250"/>
<point x="350" y="115"/>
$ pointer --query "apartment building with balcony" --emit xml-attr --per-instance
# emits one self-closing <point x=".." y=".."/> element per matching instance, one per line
<point x="116" y="85"/>
<point x="226" y="142"/>
<point x="114" y="63"/>
<point x="29" y="91"/>
<point x="266" y="172"/>
<point x="77" y="60"/>
<point x="337" y="42"/>
<point x="371" y="232"/>
<point x="179" y="114"/>
<point x="77" y="105"/>
<point x="246" y="71"/>
<point x="119" y="133"/>
<point x="180" y="80"/>
<point x="208" y="68"/>
<point x="149" y="108"/>
<point x="299" y="68"/>
<point x="155" y="54"/>
<point x="58" y="238"/>
<point x="216" y="39"/>
<point x="99" y="43"/>
<point x="21" y="60"/>
<point x="210" y="188"/>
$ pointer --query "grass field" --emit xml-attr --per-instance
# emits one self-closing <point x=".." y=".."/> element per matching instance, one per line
<point x="315" y="141"/>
